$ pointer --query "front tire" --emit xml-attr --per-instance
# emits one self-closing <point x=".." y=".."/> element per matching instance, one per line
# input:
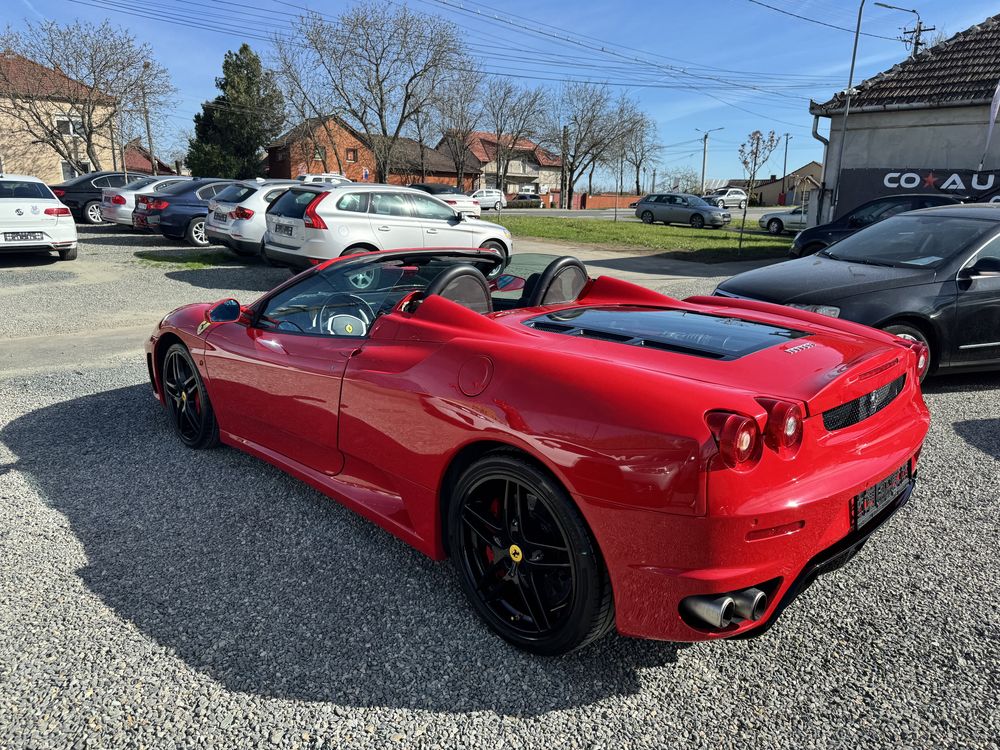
<point x="743" y="204"/>
<point x="698" y="221"/>
<point x="494" y="245"/>
<point x="647" y="217"/>
<point x="195" y="233"/>
<point x="69" y="254"/>
<point x="525" y="558"/>
<point x="186" y="400"/>
<point x="774" y="226"/>
<point x="92" y="213"/>
<point x="912" y="333"/>
<point x="720" y="203"/>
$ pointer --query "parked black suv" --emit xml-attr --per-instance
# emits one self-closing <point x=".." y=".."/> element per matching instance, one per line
<point x="813" y="239"/>
<point x="83" y="194"/>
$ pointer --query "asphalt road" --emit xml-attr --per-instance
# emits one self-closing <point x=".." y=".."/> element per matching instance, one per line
<point x="624" y="213"/>
<point x="152" y="596"/>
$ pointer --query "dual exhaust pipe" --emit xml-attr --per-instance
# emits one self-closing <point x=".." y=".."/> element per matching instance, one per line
<point x="721" y="611"/>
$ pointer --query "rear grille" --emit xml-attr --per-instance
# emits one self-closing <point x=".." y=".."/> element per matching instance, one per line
<point x="863" y="407"/>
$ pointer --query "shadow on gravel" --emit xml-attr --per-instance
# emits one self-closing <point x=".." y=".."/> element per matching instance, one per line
<point x="962" y="383"/>
<point x="124" y="238"/>
<point x="257" y="277"/>
<point x="27" y="260"/>
<point x="270" y="588"/>
<point x="982" y="434"/>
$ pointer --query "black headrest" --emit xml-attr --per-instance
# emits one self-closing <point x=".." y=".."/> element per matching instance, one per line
<point x="465" y="285"/>
<point x="562" y="281"/>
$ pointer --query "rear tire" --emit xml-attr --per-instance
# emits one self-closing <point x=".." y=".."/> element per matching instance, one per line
<point x="92" y="213"/>
<point x="497" y="206"/>
<point x="525" y="558"/>
<point x="195" y="234"/>
<point x="912" y="333"/>
<point x="68" y="254"/>
<point x="812" y="249"/>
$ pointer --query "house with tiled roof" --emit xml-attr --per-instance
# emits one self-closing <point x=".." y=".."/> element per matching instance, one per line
<point x="35" y="101"/>
<point x="918" y="127"/>
<point x="533" y="169"/>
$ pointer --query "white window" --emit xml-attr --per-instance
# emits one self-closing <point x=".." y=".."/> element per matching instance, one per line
<point x="69" y="171"/>
<point x="66" y="126"/>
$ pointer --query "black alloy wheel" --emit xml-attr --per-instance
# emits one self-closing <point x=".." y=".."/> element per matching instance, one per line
<point x="187" y="403"/>
<point x="698" y="221"/>
<point x="647" y="217"/>
<point x="774" y="226"/>
<point x="526" y="559"/>
<point x="912" y="333"/>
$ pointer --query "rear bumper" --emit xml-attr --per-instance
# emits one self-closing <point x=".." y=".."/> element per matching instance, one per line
<point x="54" y="238"/>
<point x="117" y="214"/>
<point x="240" y="245"/>
<point x="289" y="258"/>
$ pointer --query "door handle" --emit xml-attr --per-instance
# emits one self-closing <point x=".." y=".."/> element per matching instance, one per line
<point x="383" y="228"/>
<point x="432" y="231"/>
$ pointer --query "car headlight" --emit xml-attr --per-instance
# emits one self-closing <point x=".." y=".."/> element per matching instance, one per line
<point x="828" y="310"/>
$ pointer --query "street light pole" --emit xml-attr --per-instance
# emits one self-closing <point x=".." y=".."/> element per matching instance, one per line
<point x="916" y="32"/>
<point x="704" y="153"/>
<point x="847" y="107"/>
<point x="784" y="169"/>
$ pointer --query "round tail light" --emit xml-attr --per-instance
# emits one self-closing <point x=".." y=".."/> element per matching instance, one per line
<point x="783" y="431"/>
<point x="738" y="438"/>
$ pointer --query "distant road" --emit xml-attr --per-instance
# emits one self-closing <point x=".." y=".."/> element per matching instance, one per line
<point x="624" y="213"/>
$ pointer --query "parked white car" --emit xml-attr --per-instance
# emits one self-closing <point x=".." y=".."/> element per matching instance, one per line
<point x="312" y="223"/>
<point x="334" y="178"/>
<point x="490" y="198"/>
<point x="778" y="222"/>
<point x="33" y="219"/>
<point x="451" y="195"/>
<point x="727" y="198"/>
<point x="236" y="215"/>
<point x="117" y="204"/>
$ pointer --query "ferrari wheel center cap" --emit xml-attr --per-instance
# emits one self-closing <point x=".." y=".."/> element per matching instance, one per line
<point x="515" y="553"/>
<point x="184" y="396"/>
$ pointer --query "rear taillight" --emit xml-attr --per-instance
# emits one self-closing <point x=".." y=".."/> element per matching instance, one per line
<point x="738" y="438"/>
<point x="157" y="204"/>
<point x="475" y="203"/>
<point x="118" y="200"/>
<point x="783" y="431"/>
<point x="450" y="203"/>
<point x="312" y="219"/>
<point x="58" y="193"/>
<point x="923" y="355"/>
<point x="57" y="211"/>
<point x="241" y="213"/>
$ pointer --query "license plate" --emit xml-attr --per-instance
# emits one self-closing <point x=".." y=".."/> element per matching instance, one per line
<point x="284" y="229"/>
<point x="867" y="504"/>
<point x="138" y="220"/>
<point x="221" y="216"/>
<point x="22" y="236"/>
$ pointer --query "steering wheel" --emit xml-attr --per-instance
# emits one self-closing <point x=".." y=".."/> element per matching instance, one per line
<point x="334" y="321"/>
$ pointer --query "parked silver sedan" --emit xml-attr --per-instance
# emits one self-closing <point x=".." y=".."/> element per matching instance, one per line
<point x="681" y="208"/>
<point x="117" y="204"/>
<point x="778" y="222"/>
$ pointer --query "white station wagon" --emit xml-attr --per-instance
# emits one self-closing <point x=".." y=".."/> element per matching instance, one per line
<point x="32" y="219"/>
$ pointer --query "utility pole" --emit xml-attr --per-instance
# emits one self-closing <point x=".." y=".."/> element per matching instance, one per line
<point x="784" y="169"/>
<point x="652" y="187"/>
<point x="145" y="113"/>
<point x="916" y="32"/>
<point x="704" y="153"/>
<point x="847" y="111"/>
<point x="562" y="172"/>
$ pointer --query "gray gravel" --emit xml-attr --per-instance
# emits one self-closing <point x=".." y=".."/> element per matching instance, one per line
<point x="154" y="596"/>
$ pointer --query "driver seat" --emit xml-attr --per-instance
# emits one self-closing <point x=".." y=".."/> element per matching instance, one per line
<point x="463" y="285"/>
<point x="562" y="281"/>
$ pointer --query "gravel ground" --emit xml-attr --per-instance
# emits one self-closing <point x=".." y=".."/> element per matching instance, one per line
<point x="152" y="596"/>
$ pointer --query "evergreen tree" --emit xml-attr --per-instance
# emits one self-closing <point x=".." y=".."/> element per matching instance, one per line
<point x="231" y="132"/>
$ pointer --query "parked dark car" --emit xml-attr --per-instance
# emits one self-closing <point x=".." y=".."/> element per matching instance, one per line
<point x="178" y="212"/>
<point x="526" y="200"/>
<point x="931" y="276"/>
<point x="82" y="195"/>
<point x="814" y="239"/>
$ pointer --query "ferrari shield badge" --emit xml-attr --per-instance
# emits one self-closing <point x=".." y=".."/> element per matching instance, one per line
<point x="202" y="326"/>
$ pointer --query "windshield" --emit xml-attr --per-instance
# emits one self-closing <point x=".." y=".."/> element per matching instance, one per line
<point x="235" y="193"/>
<point x="140" y="183"/>
<point x="911" y="241"/>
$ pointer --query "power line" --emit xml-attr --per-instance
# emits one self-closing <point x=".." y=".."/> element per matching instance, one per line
<point x="821" y="23"/>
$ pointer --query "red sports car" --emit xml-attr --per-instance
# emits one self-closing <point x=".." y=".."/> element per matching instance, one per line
<point x="588" y="452"/>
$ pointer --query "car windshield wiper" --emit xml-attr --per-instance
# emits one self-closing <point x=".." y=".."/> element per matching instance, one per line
<point x="869" y="262"/>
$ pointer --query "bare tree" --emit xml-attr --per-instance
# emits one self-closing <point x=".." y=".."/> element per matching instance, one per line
<point x="641" y="146"/>
<point x="756" y="150"/>
<point x="593" y="125"/>
<point x="459" y="114"/>
<point x="94" y="80"/>
<point x="512" y="113"/>
<point x="384" y="64"/>
<point x="681" y="180"/>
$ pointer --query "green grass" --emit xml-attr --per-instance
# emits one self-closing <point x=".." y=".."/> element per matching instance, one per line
<point x="190" y="258"/>
<point x="681" y="243"/>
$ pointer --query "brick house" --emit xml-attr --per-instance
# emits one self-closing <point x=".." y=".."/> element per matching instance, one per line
<point x="26" y="86"/>
<point x="797" y="182"/>
<point x="320" y="145"/>
<point x="532" y="169"/>
<point x="137" y="160"/>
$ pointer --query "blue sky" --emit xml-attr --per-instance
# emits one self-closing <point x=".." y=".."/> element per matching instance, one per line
<point x="733" y="64"/>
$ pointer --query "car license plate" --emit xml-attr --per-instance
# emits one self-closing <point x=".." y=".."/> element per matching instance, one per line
<point x="867" y="504"/>
<point x="283" y="229"/>
<point x="22" y="236"/>
<point x="139" y="220"/>
<point x="221" y="216"/>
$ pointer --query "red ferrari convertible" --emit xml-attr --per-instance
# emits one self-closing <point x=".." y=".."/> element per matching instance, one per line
<point x="588" y="452"/>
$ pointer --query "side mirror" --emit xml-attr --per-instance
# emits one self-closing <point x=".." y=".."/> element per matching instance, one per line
<point x="460" y="215"/>
<point x="224" y="311"/>
<point x="987" y="266"/>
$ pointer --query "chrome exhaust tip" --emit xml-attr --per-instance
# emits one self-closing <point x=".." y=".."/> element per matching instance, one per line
<point x="751" y="604"/>
<point x="717" y="611"/>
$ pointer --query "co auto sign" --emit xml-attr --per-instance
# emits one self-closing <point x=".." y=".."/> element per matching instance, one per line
<point x="860" y="185"/>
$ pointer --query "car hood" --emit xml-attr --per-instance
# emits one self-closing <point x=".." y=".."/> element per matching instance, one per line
<point x="820" y="280"/>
